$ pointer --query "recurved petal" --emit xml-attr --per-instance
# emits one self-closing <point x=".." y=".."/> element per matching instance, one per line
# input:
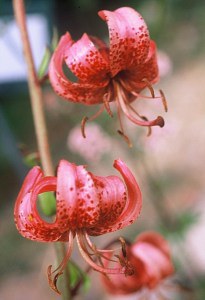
<point x="86" y="62"/>
<point x="157" y="264"/>
<point x="34" y="175"/>
<point x="132" y="206"/>
<point x="112" y="200"/>
<point x="88" y="199"/>
<point x="28" y="221"/>
<point x="129" y="38"/>
<point x="77" y="200"/>
<point x="120" y="284"/>
<point x="147" y="70"/>
<point x="66" y="193"/>
<point x="87" y="93"/>
<point x="155" y="239"/>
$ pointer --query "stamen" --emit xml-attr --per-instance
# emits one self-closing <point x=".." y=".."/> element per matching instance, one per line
<point x="149" y="85"/>
<point x="127" y="140"/>
<point x="164" y="100"/>
<point x="107" y="105"/>
<point x="121" y="132"/>
<point x="98" y="252"/>
<point x="129" y="269"/>
<point x="126" y="266"/>
<point x="91" y="245"/>
<point x="142" y="117"/>
<point x="85" y="119"/>
<point x="138" y="95"/>
<point x="83" y="122"/>
<point x="159" y="121"/>
<point x="61" y="267"/>
<point x="123" y="244"/>
<point x="53" y="282"/>
<point x="91" y="262"/>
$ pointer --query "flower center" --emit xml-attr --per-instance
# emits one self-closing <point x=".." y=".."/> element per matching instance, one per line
<point x="121" y="92"/>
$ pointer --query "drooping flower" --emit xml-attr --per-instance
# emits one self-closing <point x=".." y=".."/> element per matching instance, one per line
<point x="116" y="73"/>
<point x="85" y="205"/>
<point x="150" y="257"/>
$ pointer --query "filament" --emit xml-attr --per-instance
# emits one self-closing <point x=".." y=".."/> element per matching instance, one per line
<point x="142" y="117"/>
<point x="121" y="131"/>
<point x="85" y="119"/>
<point x="107" y="105"/>
<point x="164" y="100"/>
<point x="159" y="121"/>
<point x="149" y="86"/>
<point x="61" y="267"/>
<point x="91" y="262"/>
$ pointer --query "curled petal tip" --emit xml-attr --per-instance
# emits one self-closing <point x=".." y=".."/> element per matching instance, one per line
<point x="117" y="162"/>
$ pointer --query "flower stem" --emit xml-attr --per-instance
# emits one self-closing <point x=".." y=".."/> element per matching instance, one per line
<point x="36" y="97"/>
<point x="34" y="90"/>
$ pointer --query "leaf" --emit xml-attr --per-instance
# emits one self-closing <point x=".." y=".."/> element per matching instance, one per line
<point x="77" y="275"/>
<point x="44" y="63"/>
<point x="55" y="39"/>
<point x="32" y="159"/>
<point x="47" y="203"/>
<point x="47" y="54"/>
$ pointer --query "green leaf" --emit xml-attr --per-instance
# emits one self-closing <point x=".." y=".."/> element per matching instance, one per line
<point x="55" y="39"/>
<point x="44" y="63"/>
<point x="31" y="160"/>
<point x="47" y="203"/>
<point x="47" y="54"/>
<point x="77" y="275"/>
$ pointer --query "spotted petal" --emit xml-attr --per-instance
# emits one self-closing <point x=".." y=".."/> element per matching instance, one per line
<point x="27" y="218"/>
<point x="86" y="62"/>
<point x="156" y="240"/>
<point x="132" y="207"/>
<point x="87" y="93"/>
<point x="157" y="263"/>
<point x="129" y="38"/>
<point x="147" y="70"/>
<point x="77" y="199"/>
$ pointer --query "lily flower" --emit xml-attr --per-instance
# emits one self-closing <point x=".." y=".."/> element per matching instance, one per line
<point x="150" y="257"/>
<point x="118" y="72"/>
<point x="85" y="205"/>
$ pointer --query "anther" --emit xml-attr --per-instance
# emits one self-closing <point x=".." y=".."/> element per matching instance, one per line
<point x="53" y="282"/>
<point x="159" y="121"/>
<point x="107" y="107"/>
<point x="164" y="101"/>
<point x="149" y="86"/>
<point x="127" y="267"/>
<point x="148" y="127"/>
<point x="83" y="122"/>
<point x="127" y="140"/>
<point x="123" y="245"/>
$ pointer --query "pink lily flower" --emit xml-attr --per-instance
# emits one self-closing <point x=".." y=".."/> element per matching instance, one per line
<point x="116" y="73"/>
<point x="150" y="257"/>
<point x="85" y="205"/>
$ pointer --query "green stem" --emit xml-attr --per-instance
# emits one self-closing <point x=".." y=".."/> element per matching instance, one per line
<point x="36" y="97"/>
